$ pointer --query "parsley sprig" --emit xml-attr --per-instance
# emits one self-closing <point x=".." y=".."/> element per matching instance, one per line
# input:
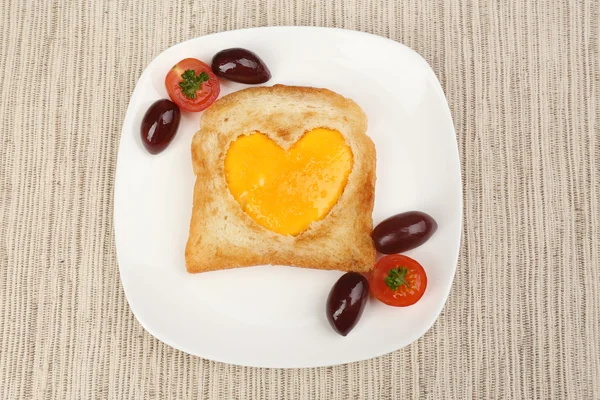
<point x="192" y="82"/>
<point x="396" y="278"/>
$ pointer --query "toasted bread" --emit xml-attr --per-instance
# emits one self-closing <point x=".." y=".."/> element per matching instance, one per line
<point x="223" y="236"/>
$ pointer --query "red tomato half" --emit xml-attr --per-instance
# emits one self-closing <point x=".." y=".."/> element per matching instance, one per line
<point x="398" y="280"/>
<point x="192" y="85"/>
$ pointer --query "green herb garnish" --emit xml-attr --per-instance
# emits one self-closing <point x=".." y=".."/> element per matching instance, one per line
<point x="192" y="82"/>
<point x="396" y="277"/>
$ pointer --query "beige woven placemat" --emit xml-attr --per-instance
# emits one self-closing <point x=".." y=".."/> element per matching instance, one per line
<point x="523" y="318"/>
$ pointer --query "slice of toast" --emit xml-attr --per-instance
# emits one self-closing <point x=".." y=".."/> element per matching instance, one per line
<point x="223" y="236"/>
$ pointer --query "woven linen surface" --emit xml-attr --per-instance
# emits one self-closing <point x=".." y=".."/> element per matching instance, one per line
<point x="523" y="317"/>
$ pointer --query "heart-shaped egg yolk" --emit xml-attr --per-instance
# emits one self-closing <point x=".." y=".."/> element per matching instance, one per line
<point x="286" y="190"/>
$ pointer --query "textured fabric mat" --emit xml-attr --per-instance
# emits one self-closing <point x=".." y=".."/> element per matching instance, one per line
<point x="523" y="318"/>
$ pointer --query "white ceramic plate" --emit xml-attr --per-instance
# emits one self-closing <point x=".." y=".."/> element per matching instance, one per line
<point x="274" y="316"/>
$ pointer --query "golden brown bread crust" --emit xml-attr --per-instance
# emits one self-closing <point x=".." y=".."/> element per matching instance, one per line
<point x="223" y="236"/>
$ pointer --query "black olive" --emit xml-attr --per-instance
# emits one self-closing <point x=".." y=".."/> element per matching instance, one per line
<point x="403" y="232"/>
<point x="159" y="125"/>
<point x="240" y="65"/>
<point x="347" y="301"/>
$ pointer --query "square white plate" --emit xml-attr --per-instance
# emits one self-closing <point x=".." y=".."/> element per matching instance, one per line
<point x="274" y="316"/>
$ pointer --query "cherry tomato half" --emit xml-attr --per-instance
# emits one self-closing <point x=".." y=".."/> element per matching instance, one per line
<point x="398" y="280"/>
<point x="192" y="85"/>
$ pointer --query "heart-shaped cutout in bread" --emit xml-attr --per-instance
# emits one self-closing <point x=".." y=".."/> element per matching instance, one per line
<point x="286" y="190"/>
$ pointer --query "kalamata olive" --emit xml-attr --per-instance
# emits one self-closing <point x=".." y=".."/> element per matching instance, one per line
<point x="159" y="125"/>
<point x="346" y="302"/>
<point x="240" y="65"/>
<point x="403" y="232"/>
